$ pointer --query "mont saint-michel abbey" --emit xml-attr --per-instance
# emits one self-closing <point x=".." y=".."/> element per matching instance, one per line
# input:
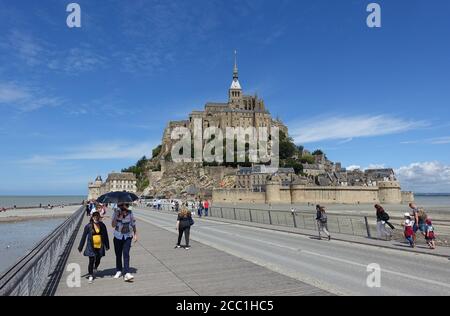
<point x="240" y="111"/>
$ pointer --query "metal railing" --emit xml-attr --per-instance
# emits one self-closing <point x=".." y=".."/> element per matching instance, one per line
<point x="30" y="275"/>
<point x="343" y="224"/>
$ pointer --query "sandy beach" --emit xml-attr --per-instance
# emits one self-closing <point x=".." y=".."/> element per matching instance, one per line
<point x="18" y="215"/>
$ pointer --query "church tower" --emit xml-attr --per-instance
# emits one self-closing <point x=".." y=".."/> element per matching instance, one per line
<point x="235" y="97"/>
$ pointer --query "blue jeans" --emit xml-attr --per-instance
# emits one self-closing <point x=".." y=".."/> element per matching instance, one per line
<point x="206" y="212"/>
<point x="122" y="248"/>
<point x="410" y="240"/>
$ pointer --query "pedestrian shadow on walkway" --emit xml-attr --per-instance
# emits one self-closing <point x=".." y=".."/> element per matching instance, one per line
<point x="402" y="245"/>
<point x="315" y="238"/>
<point x="108" y="273"/>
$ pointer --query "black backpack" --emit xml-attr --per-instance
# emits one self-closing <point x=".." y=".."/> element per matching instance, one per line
<point x="385" y="217"/>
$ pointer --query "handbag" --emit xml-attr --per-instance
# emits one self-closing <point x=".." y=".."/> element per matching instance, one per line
<point x="191" y="221"/>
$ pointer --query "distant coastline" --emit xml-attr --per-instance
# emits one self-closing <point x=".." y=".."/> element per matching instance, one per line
<point x="34" y="201"/>
<point x="432" y="194"/>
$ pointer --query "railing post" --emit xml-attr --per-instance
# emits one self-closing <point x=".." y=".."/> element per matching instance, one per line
<point x="367" y="227"/>
<point x="270" y="218"/>
<point x="250" y="213"/>
<point x="339" y="226"/>
<point x="234" y="210"/>
<point x="295" y="220"/>
<point x="221" y="212"/>
<point x="353" y="229"/>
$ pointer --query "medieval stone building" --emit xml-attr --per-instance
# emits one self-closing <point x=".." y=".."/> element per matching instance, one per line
<point x="124" y="181"/>
<point x="240" y="110"/>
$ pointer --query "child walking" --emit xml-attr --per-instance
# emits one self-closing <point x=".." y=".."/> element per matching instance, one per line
<point x="429" y="234"/>
<point x="409" y="230"/>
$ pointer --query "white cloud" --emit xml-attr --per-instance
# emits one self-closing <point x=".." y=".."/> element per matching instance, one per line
<point x="26" y="97"/>
<point x="433" y="141"/>
<point x="79" y="59"/>
<point x="425" y="177"/>
<point x="108" y="150"/>
<point x="440" y="140"/>
<point x="12" y="93"/>
<point x="345" y="128"/>
<point x="370" y="166"/>
<point x="25" y="47"/>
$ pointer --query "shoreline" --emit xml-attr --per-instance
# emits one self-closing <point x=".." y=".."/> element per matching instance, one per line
<point x="18" y="208"/>
<point x="18" y="219"/>
<point x="21" y="215"/>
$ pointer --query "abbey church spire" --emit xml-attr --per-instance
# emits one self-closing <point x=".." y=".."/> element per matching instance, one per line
<point x="235" y="70"/>
<point x="235" y="92"/>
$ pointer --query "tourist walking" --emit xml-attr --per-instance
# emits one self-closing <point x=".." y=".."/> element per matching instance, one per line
<point x="206" y="207"/>
<point x="322" y="221"/>
<point x="419" y="217"/>
<point x="200" y="208"/>
<point x="159" y="204"/>
<point x="429" y="234"/>
<point x="382" y="220"/>
<point x="88" y="210"/>
<point x="95" y="236"/>
<point x="184" y="223"/>
<point x="318" y="212"/>
<point x="102" y="211"/>
<point x="409" y="230"/>
<point x="125" y="231"/>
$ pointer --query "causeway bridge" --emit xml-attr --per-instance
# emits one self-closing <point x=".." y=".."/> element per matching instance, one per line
<point x="234" y="253"/>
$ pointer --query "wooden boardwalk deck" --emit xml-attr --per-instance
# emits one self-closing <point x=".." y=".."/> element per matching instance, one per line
<point x="161" y="270"/>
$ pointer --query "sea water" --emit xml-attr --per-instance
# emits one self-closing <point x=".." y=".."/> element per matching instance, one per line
<point x="18" y="238"/>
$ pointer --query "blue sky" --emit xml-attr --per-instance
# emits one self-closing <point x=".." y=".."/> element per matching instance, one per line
<point x="76" y="103"/>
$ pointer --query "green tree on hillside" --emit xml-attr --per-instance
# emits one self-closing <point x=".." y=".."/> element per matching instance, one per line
<point x="317" y="152"/>
<point x="308" y="159"/>
<point x="140" y="170"/>
<point x="287" y="146"/>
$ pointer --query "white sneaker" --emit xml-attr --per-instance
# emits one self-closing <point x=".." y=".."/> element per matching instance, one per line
<point x="128" y="277"/>
<point x="91" y="280"/>
<point x="118" y="275"/>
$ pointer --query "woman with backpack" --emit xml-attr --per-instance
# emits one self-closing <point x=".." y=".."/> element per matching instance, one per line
<point x="382" y="220"/>
<point x="322" y="221"/>
<point x="184" y="223"/>
<point x="125" y="231"/>
<point x="95" y="236"/>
